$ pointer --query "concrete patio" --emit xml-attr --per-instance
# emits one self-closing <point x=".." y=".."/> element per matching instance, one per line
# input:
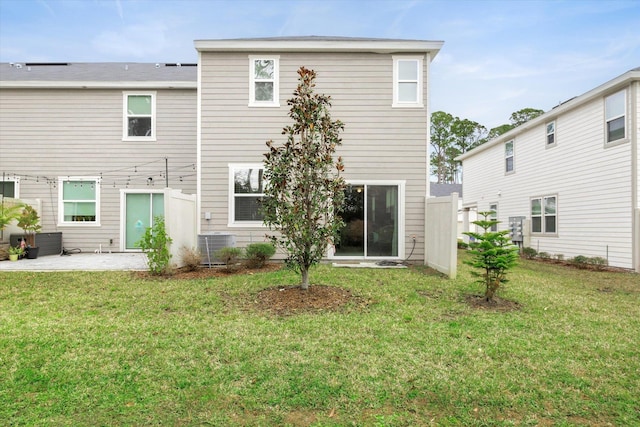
<point x="81" y="262"/>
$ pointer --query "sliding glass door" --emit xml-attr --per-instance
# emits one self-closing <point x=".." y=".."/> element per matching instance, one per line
<point x="372" y="226"/>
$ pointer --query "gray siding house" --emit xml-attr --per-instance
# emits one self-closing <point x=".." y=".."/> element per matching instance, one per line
<point x="379" y="89"/>
<point x="96" y="144"/>
<point x="572" y="173"/>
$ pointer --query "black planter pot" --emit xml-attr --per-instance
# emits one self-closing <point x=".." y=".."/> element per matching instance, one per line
<point x="32" y="253"/>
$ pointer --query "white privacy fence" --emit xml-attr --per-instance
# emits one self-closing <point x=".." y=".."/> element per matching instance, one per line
<point x="440" y="230"/>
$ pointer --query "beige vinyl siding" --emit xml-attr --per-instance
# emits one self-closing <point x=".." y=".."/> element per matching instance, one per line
<point x="379" y="142"/>
<point x="49" y="133"/>
<point x="591" y="182"/>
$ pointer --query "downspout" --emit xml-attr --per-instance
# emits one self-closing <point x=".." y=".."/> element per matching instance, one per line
<point x="635" y="219"/>
<point x="199" y="145"/>
<point x="428" y="133"/>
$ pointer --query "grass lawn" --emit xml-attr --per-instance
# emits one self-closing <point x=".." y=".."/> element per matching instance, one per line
<point x="111" y="348"/>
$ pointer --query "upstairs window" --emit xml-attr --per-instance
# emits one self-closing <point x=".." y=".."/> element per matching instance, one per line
<point x="79" y="199"/>
<point x="407" y="82"/>
<point x="246" y="190"/>
<point x="509" y="157"/>
<point x="544" y="217"/>
<point x="264" y="85"/>
<point x="139" y="116"/>
<point x="615" y="113"/>
<point x="551" y="133"/>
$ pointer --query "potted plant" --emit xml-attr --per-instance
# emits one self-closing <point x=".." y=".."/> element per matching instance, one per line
<point x="29" y="221"/>
<point x="15" y="252"/>
<point x="9" y="211"/>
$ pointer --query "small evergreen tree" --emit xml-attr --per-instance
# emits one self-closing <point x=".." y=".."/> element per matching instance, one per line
<point x="304" y="190"/>
<point x="493" y="254"/>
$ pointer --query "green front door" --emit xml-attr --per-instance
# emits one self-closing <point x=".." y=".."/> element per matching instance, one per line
<point x="140" y="208"/>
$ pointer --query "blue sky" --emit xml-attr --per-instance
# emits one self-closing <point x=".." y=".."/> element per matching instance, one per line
<point x="498" y="57"/>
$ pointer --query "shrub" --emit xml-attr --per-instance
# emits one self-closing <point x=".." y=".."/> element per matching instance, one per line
<point x="580" y="261"/>
<point x="560" y="257"/>
<point x="462" y="244"/>
<point x="155" y="244"/>
<point x="598" y="262"/>
<point x="529" y="253"/>
<point x="229" y="256"/>
<point x="257" y="254"/>
<point x="191" y="258"/>
<point x="544" y="255"/>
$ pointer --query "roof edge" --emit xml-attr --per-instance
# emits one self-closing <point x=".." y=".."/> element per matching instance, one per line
<point x="57" y="84"/>
<point x="611" y="85"/>
<point x="319" y="44"/>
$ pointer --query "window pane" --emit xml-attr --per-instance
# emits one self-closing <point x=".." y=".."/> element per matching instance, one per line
<point x="509" y="164"/>
<point x="551" y="128"/>
<point x="264" y="69"/>
<point x="8" y="189"/>
<point x="550" y="224"/>
<point x="614" y="105"/>
<point x="264" y="91"/>
<point x="536" y="207"/>
<point x="78" y="190"/>
<point x="408" y="92"/>
<point x="382" y="224"/>
<point x="79" y="211"/>
<point x="615" y="129"/>
<point x="248" y="181"/>
<point x="551" y="139"/>
<point x="408" y="70"/>
<point x="536" y="224"/>
<point x="351" y="240"/>
<point x="139" y="105"/>
<point x="247" y="209"/>
<point x="508" y="149"/>
<point x="549" y="205"/>
<point x="140" y="126"/>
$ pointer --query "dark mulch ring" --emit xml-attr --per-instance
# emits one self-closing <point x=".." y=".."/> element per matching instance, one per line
<point x="497" y="304"/>
<point x="287" y="300"/>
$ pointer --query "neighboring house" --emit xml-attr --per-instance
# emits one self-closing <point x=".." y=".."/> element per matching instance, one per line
<point x="572" y="173"/>
<point x="96" y="143"/>
<point x="379" y="89"/>
<point x="464" y="214"/>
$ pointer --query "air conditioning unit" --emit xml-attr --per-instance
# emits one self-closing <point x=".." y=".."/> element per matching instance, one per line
<point x="209" y="243"/>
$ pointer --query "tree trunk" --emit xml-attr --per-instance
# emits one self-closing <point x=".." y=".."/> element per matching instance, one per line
<point x="305" y="278"/>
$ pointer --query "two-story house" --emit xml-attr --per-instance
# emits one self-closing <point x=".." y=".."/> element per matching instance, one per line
<point x="379" y="89"/>
<point x="97" y="143"/>
<point x="571" y="173"/>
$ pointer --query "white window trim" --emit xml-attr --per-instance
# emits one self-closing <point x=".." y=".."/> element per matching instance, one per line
<point x="125" y="117"/>
<point x="513" y="156"/>
<point x="61" y="221"/>
<point x="16" y="185"/>
<point x="606" y="121"/>
<point x="544" y="232"/>
<point x="495" y="216"/>
<point x="555" y="134"/>
<point x="401" y="222"/>
<point x="420" y="95"/>
<point x="231" y="203"/>
<point x="276" y="82"/>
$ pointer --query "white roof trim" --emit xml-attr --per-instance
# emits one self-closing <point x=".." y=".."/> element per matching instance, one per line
<point x="57" y="84"/>
<point x="376" y="46"/>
